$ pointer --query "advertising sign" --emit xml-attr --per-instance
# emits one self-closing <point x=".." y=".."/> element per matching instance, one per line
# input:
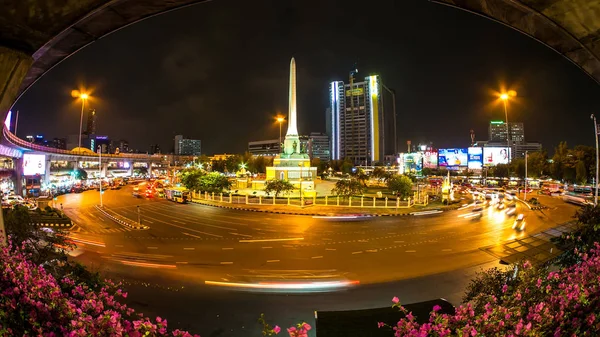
<point x="475" y="158"/>
<point x="430" y="159"/>
<point x="452" y="157"/>
<point x="413" y="163"/>
<point x="34" y="164"/>
<point x="493" y="156"/>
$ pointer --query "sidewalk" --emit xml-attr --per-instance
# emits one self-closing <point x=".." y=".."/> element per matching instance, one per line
<point x="320" y="210"/>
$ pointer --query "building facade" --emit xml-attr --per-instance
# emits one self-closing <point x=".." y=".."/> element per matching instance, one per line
<point x="155" y="149"/>
<point x="270" y="147"/>
<point x="356" y="114"/>
<point x="318" y="146"/>
<point x="91" y="122"/>
<point x="497" y="132"/>
<point x="187" y="147"/>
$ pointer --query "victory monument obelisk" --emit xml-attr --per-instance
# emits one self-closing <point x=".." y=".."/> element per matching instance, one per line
<point x="293" y="163"/>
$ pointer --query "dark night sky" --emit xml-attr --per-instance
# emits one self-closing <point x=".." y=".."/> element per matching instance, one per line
<point x="219" y="72"/>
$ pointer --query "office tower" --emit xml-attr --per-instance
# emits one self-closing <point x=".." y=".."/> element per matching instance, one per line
<point x="187" y="147"/>
<point x="497" y="132"/>
<point x="177" y="145"/>
<point x="155" y="149"/>
<point x="356" y="113"/>
<point x="318" y="146"/>
<point x="268" y="147"/>
<point x="91" y="122"/>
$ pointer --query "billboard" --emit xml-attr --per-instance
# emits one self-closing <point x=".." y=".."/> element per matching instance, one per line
<point x="34" y="164"/>
<point x="412" y="163"/>
<point x="475" y="158"/>
<point x="493" y="156"/>
<point x="452" y="157"/>
<point x="430" y="159"/>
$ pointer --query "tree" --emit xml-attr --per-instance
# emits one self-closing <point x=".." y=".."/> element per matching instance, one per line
<point x="218" y="165"/>
<point x="501" y="171"/>
<point x="361" y="176"/>
<point x="380" y="173"/>
<point x="190" y="178"/>
<point x="581" y="172"/>
<point x="278" y="186"/>
<point x="214" y="182"/>
<point x="259" y="164"/>
<point x="517" y="167"/>
<point x="346" y="166"/>
<point x="537" y="164"/>
<point x="559" y="161"/>
<point x="400" y="185"/>
<point x="581" y="239"/>
<point x="80" y="174"/>
<point x="232" y="164"/>
<point x="348" y="187"/>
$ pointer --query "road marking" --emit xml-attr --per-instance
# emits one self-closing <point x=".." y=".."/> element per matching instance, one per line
<point x="269" y="261"/>
<point x="327" y="239"/>
<point x="270" y="240"/>
<point x="195" y="236"/>
<point x="330" y="249"/>
<point x="181" y="262"/>
<point x="359" y="252"/>
<point x="152" y="247"/>
<point x="446" y="250"/>
<point x="238" y="234"/>
<point x="371" y="251"/>
<point x="226" y="262"/>
<point x="410" y="251"/>
<point x="181" y="222"/>
<point x="398" y="241"/>
<point x="287" y="246"/>
<point x="119" y="246"/>
<point x="266" y="247"/>
<point x="189" y="248"/>
<point x="227" y="248"/>
<point x="317" y="257"/>
<point x="148" y="221"/>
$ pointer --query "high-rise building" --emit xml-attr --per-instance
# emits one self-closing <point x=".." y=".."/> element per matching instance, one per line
<point x="497" y="132"/>
<point x="270" y="147"/>
<point x="59" y="143"/>
<point x="123" y="146"/>
<point x="318" y="146"/>
<point x="103" y="142"/>
<point x="91" y="122"/>
<point x="356" y="113"/>
<point x="155" y="149"/>
<point x="187" y="147"/>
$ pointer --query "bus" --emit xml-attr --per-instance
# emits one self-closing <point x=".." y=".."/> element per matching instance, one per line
<point x="177" y="194"/>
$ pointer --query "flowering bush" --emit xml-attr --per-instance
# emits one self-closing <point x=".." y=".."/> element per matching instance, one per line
<point x="33" y="304"/>
<point x="563" y="303"/>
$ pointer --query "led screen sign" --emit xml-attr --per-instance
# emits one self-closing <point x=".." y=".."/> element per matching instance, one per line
<point x="452" y="158"/>
<point x="475" y="158"/>
<point x="34" y="164"/>
<point x="493" y="156"/>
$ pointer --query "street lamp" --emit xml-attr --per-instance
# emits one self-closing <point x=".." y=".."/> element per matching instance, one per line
<point x="84" y="97"/>
<point x="505" y="97"/>
<point x="100" y="172"/>
<point x="280" y="120"/>
<point x="593" y="117"/>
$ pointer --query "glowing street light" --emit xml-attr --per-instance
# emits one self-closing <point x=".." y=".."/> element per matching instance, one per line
<point x="280" y="120"/>
<point x="84" y="97"/>
<point x="505" y="97"/>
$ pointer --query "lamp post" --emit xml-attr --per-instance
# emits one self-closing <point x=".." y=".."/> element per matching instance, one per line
<point x="83" y="96"/>
<point x="593" y="117"/>
<point x="100" y="172"/>
<point x="525" y="176"/>
<point x="301" y="195"/>
<point x="280" y="120"/>
<point x="504" y="97"/>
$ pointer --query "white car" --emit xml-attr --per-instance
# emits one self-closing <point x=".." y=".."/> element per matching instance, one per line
<point x="13" y="199"/>
<point x="519" y="223"/>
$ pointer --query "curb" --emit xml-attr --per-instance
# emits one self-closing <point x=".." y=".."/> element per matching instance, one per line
<point x="120" y="221"/>
<point x="69" y="225"/>
<point x="307" y="214"/>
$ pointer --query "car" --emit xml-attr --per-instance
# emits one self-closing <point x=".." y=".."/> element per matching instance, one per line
<point x="519" y="223"/>
<point x="500" y="206"/>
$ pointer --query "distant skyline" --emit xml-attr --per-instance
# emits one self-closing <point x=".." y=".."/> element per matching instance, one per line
<point x="218" y="72"/>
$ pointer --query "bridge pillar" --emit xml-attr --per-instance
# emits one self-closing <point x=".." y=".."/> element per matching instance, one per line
<point x="47" y="174"/>
<point x="19" y="177"/>
<point x="13" y="68"/>
<point x="130" y="169"/>
<point x="103" y="170"/>
<point x="149" y="166"/>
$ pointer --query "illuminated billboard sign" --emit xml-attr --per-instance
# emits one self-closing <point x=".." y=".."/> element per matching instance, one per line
<point x="452" y="157"/>
<point x="475" y="158"/>
<point x="493" y="156"/>
<point x="412" y="163"/>
<point x="430" y="159"/>
<point x="34" y="164"/>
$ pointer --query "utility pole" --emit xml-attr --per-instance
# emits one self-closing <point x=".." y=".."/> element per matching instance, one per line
<point x="593" y="117"/>
<point x="525" y="198"/>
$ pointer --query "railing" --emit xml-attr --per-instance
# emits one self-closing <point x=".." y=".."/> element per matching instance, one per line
<point x="13" y="139"/>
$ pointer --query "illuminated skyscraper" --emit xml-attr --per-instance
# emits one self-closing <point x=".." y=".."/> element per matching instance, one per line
<point x="356" y="120"/>
<point x="91" y="122"/>
<point x="497" y="131"/>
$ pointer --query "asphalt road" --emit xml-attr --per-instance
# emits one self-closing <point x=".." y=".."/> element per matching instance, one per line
<point x="280" y="262"/>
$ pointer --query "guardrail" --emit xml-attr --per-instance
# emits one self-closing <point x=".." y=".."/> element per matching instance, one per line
<point x="13" y="139"/>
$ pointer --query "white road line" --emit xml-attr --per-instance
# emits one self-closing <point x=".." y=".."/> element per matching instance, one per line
<point x="287" y="246"/>
<point x="181" y="222"/>
<point x="148" y="221"/>
<point x="226" y="262"/>
<point x="181" y="262"/>
<point x="317" y="257"/>
<point x="269" y="261"/>
<point x="410" y="251"/>
<point x="227" y="248"/>
<point x="446" y="250"/>
<point x="189" y="248"/>
<point x="371" y="251"/>
<point x="270" y="240"/>
<point x="152" y="247"/>
<point x="398" y="241"/>
<point x="359" y="252"/>
<point x="266" y="247"/>
<point x="330" y="249"/>
<point x="238" y="234"/>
